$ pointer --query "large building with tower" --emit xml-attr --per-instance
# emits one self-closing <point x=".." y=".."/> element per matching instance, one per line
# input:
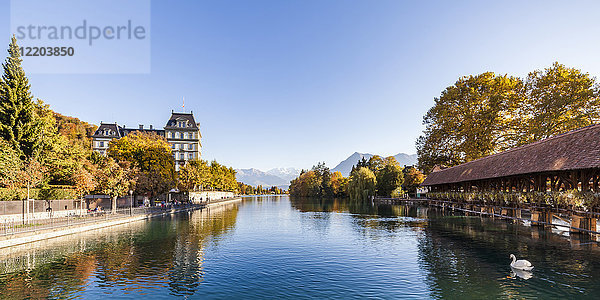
<point x="181" y="131"/>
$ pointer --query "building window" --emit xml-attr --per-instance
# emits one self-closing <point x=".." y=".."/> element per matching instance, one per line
<point x="173" y="146"/>
<point x="191" y="156"/>
<point x="191" y="147"/>
<point x="181" y="156"/>
<point x="101" y="144"/>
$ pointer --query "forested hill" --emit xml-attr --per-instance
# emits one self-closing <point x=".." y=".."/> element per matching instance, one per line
<point x="74" y="129"/>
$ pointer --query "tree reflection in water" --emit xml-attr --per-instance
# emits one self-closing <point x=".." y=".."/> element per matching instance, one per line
<point x="140" y="256"/>
<point x="293" y="247"/>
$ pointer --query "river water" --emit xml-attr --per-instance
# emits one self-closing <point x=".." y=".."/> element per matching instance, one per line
<point x="277" y="247"/>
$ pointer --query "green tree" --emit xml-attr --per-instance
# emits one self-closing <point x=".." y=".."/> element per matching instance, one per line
<point x="475" y="117"/>
<point x="375" y="163"/>
<point x="362" y="184"/>
<point x="559" y="99"/>
<point x="389" y="178"/>
<point x="18" y="122"/>
<point x="10" y="165"/>
<point x="485" y="114"/>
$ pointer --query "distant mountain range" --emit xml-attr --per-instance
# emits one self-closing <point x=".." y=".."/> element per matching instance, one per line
<point x="346" y="166"/>
<point x="281" y="177"/>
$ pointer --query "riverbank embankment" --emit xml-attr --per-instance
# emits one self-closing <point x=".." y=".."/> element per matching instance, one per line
<point x="27" y="233"/>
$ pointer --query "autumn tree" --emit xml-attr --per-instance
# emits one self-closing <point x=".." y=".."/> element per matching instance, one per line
<point x="473" y="118"/>
<point x="412" y="179"/>
<point x="83" y="179"/>
<point x="306" y="185"/>
<point x="222" y="178"/>
<point x="75" y="130"/>
<point x="114" y="179"/>
<point x="31" y="174"/>
<point x="485" y="114"/>
<point x="151" y="155"/>
<point x="195" y="175"/>
<point x="339" y="184"/>
<point x="558" y="99"/>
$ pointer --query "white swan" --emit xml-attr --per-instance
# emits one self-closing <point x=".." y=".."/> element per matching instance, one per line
<point x="520" y="264"/>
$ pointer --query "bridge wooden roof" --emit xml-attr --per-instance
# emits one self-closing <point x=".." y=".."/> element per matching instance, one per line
<point x="573" y="150"/>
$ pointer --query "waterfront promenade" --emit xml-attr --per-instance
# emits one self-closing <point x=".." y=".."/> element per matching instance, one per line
<point x="16" y="233"/>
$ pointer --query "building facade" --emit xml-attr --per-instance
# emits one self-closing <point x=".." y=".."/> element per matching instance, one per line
<point x="181" y="131"/>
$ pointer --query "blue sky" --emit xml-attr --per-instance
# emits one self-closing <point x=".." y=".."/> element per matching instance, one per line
<point x="291" y="83"/>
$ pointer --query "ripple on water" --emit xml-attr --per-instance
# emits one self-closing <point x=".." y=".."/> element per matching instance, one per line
<point x="294" y="249"/>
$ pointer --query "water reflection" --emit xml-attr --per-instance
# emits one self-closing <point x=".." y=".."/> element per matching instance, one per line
<point x="514" y="273"/>
<point x="137" y="257"/>
<point x="280" y="247"/>
<point x="466" y="256"/>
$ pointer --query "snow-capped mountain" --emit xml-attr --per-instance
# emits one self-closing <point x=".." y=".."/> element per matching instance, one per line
<point x="285" y="173"/>
<point x="280" y="177"/>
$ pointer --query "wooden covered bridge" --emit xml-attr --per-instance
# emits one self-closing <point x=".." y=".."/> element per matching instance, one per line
<point x="563" y="162"/>
<point x="542" y="173"/>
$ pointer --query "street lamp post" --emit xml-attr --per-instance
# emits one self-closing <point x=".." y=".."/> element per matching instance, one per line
<point x="130" y="202"/>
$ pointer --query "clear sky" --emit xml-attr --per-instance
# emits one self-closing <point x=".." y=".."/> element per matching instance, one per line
<point x="290" y="83"/>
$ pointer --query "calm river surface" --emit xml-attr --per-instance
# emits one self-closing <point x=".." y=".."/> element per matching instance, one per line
<point x="277" y="247"/>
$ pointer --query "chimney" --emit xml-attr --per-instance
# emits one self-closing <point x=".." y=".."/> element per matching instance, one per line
<point x="150" y="127"/>
<point x="141" y="126"/>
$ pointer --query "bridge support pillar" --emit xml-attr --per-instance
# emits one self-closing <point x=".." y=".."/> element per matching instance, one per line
<point x="541" y="216"/>
<point x="583" y="223"/>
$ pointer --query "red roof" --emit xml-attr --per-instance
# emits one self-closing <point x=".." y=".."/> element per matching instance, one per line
<point x="573" y="150"/>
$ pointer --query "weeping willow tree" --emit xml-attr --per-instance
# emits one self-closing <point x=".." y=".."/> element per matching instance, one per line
<point x="362" y="184"/>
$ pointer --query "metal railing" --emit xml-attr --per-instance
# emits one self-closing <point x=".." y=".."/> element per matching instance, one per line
<point x="87" y="217"/>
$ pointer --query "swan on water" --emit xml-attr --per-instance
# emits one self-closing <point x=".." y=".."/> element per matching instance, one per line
<point x="520" y="264"/>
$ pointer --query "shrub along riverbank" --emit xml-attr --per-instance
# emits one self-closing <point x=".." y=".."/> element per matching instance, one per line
<point x="570" y="199"/>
